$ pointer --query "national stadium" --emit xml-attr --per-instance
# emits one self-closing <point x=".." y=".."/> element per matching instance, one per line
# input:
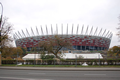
<point x="88" y="38"/>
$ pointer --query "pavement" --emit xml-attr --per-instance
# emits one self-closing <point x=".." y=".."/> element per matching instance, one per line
<point x="61" y="68"/>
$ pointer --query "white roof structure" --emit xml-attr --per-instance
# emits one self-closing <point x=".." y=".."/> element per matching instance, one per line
<point x="82" y="55"/>
<point x="67" y="56"/>
<point x="31" y="56"/>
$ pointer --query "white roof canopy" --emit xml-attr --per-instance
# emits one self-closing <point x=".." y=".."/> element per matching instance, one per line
<point x="82" y="55"/>
<point x="67" y="56"/>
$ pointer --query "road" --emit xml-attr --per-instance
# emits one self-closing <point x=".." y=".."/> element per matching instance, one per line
<point x="58" y="75"/>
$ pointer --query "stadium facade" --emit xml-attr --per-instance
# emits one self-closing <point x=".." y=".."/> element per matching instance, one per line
<point x="87" y="39"/>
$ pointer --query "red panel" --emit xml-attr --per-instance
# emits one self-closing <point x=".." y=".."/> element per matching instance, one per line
<point x="86" y="41"/>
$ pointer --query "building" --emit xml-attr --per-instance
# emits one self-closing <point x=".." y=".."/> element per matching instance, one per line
<point x="88" y="39"/>
<point x="66" y="56"/>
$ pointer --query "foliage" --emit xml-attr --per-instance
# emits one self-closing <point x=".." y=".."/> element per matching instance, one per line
<point x="54" y="44"/>
<point x="9" y="58"/>
<point x="114" y="51"/>
<point x="12" y="52"/>
<point x="48" y="61"/>
<point x="24" y="51"/>
<point x="49" y="56"/>
<point x="68" y="62"/>
<point x="43" y="56"/>
<point x="19" y="51"/>
<point x="8" y="61"/>
<point x="33" y="49"/>
<point x="7" y="51"/>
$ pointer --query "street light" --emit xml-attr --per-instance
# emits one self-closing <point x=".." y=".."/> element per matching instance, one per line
<point x="1" y="14"/>
<point x="0" y="32"/>
<point x="99" y="58"/>
<point x="76" y="61"/>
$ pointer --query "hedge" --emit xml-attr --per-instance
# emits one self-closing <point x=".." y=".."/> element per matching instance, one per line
<point x="65" y="62"/>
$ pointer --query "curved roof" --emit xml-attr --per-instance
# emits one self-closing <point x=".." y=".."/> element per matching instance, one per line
<point x="63" y="30"/>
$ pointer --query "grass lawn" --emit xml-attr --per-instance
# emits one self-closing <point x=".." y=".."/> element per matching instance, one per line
<point x="13" y="65"/>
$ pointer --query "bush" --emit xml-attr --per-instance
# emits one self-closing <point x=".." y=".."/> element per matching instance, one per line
<point x="48" y="61"/>
<point x="8" y="61"/>
<point x="29" y="61"/>
<point x="49" y="56"/>
<point x="43" y="56"/>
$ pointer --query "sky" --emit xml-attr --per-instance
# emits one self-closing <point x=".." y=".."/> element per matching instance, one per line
<point x="92" y="13"/>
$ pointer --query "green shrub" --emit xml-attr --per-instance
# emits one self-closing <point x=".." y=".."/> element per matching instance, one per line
<point x="8" y="61"/>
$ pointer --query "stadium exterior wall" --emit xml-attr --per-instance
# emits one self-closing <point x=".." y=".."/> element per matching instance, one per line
<point x="79" y="41"/>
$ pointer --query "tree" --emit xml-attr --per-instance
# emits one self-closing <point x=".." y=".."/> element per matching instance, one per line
<point x="7" y="51"/>
<point x="18" y="51"/>
<point x="54" y="44"/>
<point x="5" y="31"/>
<point x="118" y="33"/>
<point x="114" y="51"/>
<point x="24" y="51"/>
<point x="12" y="52"/>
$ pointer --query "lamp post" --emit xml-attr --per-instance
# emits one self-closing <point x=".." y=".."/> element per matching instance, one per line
<point x="99" y="58"/>
<point x="76" y="61"/>
<point x="34" y="56"/>
<point x="17" y="59"/>
<point x="1" y="14"/>
<point x="54" y="60"/>
<point x="0" y="33"/>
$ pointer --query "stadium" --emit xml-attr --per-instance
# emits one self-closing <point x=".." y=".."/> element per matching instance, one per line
<point x="88" y="38"/>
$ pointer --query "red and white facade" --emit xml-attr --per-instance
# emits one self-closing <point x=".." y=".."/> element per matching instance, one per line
<point x="79" y="41"/>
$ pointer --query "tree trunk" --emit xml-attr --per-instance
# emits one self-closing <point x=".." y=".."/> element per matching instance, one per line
<point x="57" y="56"/>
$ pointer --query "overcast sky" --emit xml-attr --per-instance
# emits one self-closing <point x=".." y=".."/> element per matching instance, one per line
<point x="31" y="13"/>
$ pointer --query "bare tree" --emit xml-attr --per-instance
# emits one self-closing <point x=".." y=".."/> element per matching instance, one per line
<point x="55" y="44"/>
<point x="5" y="31"/>
<point x="118" y="34"/>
